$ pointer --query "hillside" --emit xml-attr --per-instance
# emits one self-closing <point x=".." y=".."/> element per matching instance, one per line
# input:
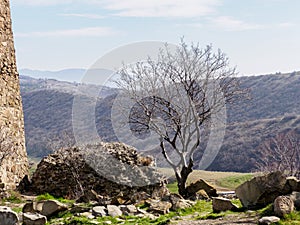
<point x="273" y="107"/>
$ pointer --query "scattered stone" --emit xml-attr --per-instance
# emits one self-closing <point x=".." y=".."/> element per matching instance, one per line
<point x="158" y="206"/>
<point x="88" y="215"/>
<point x="292" y="184"/>
<point x="34" y="219"/>
<point x="262" y="190"/>
<point x="128" y="209"/>
<point x="201" y="195"/>
<point x="268" y="220"/>
<point x="7" y="216"/>
<point x="78" y="208"/>
<point x="178" y="202"/>
<point x="99" y="211"/>
<point x="50" y="207"/>
<point x="295" y="196"/>
<point x="220" y="204"/>
<point x="201" y="184"/>
<point x="28" y="207"/>
<point x="283" y="205"/>
<point x="113" y="210"/>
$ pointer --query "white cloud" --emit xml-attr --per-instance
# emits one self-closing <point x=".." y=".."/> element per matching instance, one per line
<point x="41" y="2"/>
<point x="83" y="15"/>
<point x="286" y="25"/>
<point x="159" y="8"/>
<point x="82" y="32"/>
<point x="141" y="8"/>
<point x="231" y="24"/>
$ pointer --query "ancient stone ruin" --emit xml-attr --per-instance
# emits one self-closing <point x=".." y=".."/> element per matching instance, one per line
<point x="13" y="157"/>
<point x="110" y="173"/>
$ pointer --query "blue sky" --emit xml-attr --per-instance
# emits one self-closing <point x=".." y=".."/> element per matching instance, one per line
<point x="259" y="36"/>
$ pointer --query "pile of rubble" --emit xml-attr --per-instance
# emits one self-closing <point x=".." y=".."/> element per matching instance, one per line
<point x="115" y="172"/>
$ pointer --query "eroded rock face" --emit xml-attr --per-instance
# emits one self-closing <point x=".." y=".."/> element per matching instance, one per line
<point x="114" y="171"/>
<point x="263" y="190"/>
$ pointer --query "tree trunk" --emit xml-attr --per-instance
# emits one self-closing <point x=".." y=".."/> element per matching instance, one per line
<point x="182" y="178"/>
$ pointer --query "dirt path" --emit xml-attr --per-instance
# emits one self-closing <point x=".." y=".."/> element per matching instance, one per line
<point x="240" y="219"/>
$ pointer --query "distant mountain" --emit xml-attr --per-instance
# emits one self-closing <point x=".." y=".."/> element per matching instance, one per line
<point x="274" y="107"/>
<point x="69" y="75"/>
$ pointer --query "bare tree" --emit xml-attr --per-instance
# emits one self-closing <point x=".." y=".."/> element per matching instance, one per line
<point x="175" y="96"/>
<point x="280" y="153"/>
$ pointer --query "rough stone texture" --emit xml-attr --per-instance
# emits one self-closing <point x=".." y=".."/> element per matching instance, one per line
<point x="50" y="207"/>
<point x="158" y="206"/>
<point x="193" y="188"/>
<point x="268" y="220"/>
<point x="99" y="211"/>
<point x="262" y="190"/>
<point x="283" y="205"/>
<point x="295" y="196"/>
<point x="220" y="204"/>
<point x="7" y="216"/>
<point x="178" y="202"/>
<point x="34" y="219"/>
<point x="15" y="166"/>
<point x="113" y="210"/>
<point x="116" y="175"/>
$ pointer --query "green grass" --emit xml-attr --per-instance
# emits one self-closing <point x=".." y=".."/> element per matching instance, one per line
<point x="233" y="182"/>
<point x="14" y="197"/>
<point x="173" y="187"/>
<point x="47" y="196"/>
<point x="291" y="219"/>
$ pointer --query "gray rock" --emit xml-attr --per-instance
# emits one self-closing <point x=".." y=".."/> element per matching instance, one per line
<point x="128" y="209"/>
<point x="99" y="211"/>
<point x="178" y="202"/>
<point x="295" y="196"/>
<point x="7" y="216"/>
<point x="34" y="219"/>
<point x="113" y="210"/>
<point x="193" y="188"/>
<point x="262" y="190"/>
<point x="88" y="215"/>
<point x="268" y="220"/>
<point x="292" y="184"/>
<point x="158" y="206"/>
<point x="50" y="207"/>
<point x="28" y="207"/>
<point x="220" y="204"/>
<point x="283" y="205"/>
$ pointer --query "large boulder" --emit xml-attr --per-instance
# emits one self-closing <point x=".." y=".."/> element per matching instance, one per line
<point x="262" y="190"/>
<point x="283" y="205"/>
<point x="109" y="169"/>
<point x="7" y="216"/>
<point x="201" y="184"/>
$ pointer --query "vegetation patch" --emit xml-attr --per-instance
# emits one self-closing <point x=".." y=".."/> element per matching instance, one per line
<point x="233" y="182"/>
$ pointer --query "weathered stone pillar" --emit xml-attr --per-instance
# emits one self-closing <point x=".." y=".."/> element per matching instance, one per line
<point x="14" y="164"/>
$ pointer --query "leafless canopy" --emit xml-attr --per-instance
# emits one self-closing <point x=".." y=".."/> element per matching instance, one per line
<point x="280" y="153"/>
<point x="175" y="95"/>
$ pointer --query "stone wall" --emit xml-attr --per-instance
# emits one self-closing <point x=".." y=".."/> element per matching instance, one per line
<point x="15" y="165"/>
